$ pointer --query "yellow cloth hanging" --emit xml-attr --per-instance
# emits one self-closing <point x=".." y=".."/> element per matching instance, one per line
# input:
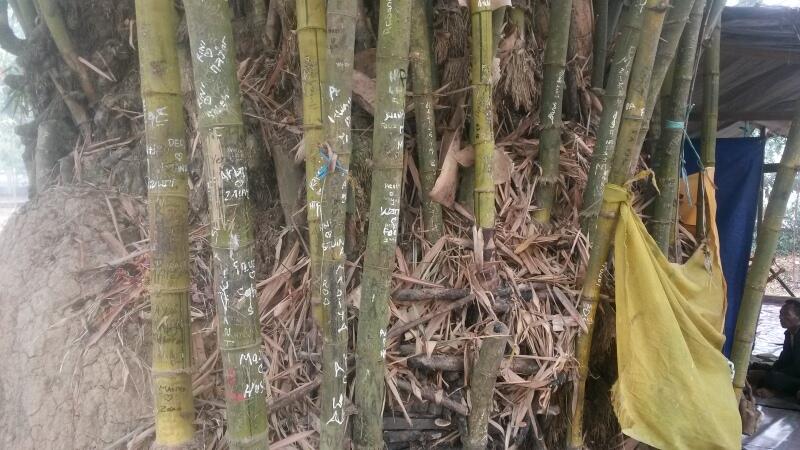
<point x="674" y="389"/>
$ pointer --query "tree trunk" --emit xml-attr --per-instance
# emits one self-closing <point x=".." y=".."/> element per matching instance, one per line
<point x="550" y="116"/>
<point x="625" y="154"/>
<point x="384" y="215"/>
<point x="672" y="136"/>
<point x="423" y="80"/>
<point x="766" y="244"/>
<point x="333" y="213"/>
<point x="222" y="136"/>
<point x="311" y="42"/>
<point x="168" y="202"/>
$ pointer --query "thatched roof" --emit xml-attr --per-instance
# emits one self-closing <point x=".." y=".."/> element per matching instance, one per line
<point x="759" y="69"/>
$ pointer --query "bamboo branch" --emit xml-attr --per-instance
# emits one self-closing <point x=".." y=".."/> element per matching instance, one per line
<point x="168" y="205"/>
<point x="423" y="81"/>
<point x="662" y="224"/>
<point x="222" y="135"/>
<point x="481" y="386"/>
<point x="311" y="42"/>
<point x="625" y="154"/>
<point x="341" y="17"/>
<point x="51" y="14"/>
<point x="384" y="215"/>
<point x="555" y="57"/>
<point x="766" y="244"/>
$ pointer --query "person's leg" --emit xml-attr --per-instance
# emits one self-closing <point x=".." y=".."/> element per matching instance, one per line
<point x="782" y="382"/>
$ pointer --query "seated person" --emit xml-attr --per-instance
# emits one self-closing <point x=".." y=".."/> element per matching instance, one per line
<point x="783" y="378"/>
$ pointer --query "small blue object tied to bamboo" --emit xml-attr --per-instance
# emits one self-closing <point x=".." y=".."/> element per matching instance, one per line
<point x="330" y="162"/>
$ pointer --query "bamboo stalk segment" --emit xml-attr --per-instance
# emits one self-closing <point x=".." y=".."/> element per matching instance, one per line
<point x="423" y="81"/>
<point x="51" y="14"/>
<point x="26" y="13"/>
<point x="555" y="62"/>
<point x="481" y="386"/>
<point x="766" y="244"/>
<point x="625" y="154"/>
<point x="662" y="225"/>
<point x="168" y="210"/>
<point x="226" y="161"/>
<point x="708" y="141"/>
<point x="613" y="101"/>
<point x="341" y="17"/>
<point x="387" y="180"/>
<point x="600" y="43"/>
<point x="311" y="43"/>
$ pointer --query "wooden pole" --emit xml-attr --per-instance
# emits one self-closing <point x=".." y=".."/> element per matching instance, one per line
<point x="766" y="244"/>
<point x="387" y="181"/>
<point x="233" y="254"/>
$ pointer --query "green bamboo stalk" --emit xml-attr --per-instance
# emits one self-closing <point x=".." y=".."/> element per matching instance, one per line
<point x="387" y="181"/>
<point x="168" y="210"/>
<point x="311" y="43"/>
<point x="713" y="18"/>
<point x="674" y="24"/>
<point x="708" y="141"/>
<point x="613" y="101"/>
<point x="662" y="224"/>
<point x="423" y="81"/>
<point x="23" y="10"/>
<point x="555" y="62"/>
<point x="342" y="16"/>
<point x="766" y="244"/>
<point x="600" y="43"/>
<point x="625" y="154"/>
<point x="614" y="13"/>
<point x="482" y="61"/>
<point x="222" y="135"/>
<point x="481" y="386"/>
<point x="51" y="14"/>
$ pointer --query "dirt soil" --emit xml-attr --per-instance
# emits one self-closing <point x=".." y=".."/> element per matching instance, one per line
<point x="53" y="393"/>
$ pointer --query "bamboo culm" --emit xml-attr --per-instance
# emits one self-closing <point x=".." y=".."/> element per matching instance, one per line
<point x="52" y="16"/>
<point x="613" y="102"/>
<point x="600" y="43"/>
<point x="424" y="83"/>
<point x="662" y="223"/>
<point x="337" y="99"/>
<point x="384" y="215"/>
<point x="168" y="211"/>
<point x="625" y="154"/>
<point x="311" y="42"/>
<point x="481" y="386"/>
<point x="766" y="244"/>
<point x="482" y="61"/>
<point x="708" y="141"/>
<point x="221" y="131"/>
<point x="555" y="57"/>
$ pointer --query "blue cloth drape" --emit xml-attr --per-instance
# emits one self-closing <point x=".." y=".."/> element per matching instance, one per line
<point x="739" y="165"/>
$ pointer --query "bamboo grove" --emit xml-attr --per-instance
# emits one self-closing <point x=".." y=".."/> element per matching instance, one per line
<point x="646" y="58"/>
